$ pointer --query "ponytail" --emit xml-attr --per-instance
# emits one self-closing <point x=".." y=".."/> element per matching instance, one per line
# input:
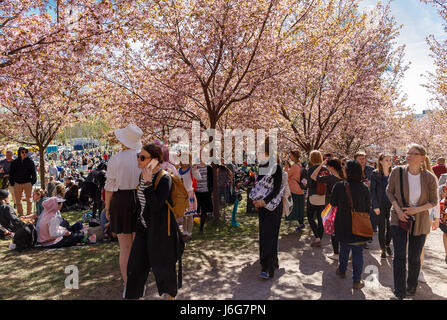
<point x="426" y="165"/>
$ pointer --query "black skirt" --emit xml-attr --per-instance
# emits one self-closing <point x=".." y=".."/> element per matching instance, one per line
<point x="123" y="216"/>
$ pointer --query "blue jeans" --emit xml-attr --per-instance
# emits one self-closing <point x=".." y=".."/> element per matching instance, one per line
<point x="357" y="259"/>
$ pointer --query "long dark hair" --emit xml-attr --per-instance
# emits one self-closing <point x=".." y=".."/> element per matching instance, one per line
<point x="379" y="165"/>
<point x="336" y="164"/>
<point x="353" y="171"/>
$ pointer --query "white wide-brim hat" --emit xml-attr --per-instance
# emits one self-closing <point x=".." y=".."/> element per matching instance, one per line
<point x="130" y="136"/>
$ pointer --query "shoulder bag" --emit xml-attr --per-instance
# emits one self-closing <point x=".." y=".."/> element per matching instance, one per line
<point x="361" y="223"/>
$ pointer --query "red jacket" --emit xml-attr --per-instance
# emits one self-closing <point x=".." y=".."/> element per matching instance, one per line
<point x="439" y="169"/>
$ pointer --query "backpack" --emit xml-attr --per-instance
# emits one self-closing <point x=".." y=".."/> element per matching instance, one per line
<point x="25" y="237"/>
<point x="179" y="197"/>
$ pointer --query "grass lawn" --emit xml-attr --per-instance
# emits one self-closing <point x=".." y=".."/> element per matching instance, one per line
<point x="40" y="274"/>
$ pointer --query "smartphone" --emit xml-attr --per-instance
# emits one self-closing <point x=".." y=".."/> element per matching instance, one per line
<point x="152" y="164"/>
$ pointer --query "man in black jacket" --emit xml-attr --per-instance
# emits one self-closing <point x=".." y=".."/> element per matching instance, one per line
<point x="92" y="188"/>
<point x="22" y="177"/>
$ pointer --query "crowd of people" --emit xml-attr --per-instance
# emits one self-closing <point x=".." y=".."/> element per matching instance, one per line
<point x="401" y="199"/>
<point x="148" y="204"/>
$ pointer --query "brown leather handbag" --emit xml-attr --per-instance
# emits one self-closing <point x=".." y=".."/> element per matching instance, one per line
<point x="361" y="223"/>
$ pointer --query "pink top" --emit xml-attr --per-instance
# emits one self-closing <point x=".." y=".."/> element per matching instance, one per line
<point x="294" y="173"/>
<point x="47" y="236"/>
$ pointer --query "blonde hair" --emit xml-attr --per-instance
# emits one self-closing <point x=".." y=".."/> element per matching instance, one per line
<point x="425" y="165"/>
<point x="60" y="190"/>
<point x="41" y="192"/>
<point x="315" y="157"/>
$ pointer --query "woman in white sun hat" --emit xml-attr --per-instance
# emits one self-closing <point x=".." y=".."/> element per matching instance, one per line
<point x="120" y="201"/>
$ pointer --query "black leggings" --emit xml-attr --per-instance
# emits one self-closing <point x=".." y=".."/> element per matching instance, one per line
<point x="73" y="239"/>
<point x="384" y="225"/>
<point x="313" y="211"/>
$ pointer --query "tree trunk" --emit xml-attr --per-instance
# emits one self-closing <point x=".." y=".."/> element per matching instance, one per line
<point x="42" y="166"/>
<point x="216" y="200"/>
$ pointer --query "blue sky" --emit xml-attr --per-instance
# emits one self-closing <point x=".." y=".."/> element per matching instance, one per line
<point x="418" y="20"/>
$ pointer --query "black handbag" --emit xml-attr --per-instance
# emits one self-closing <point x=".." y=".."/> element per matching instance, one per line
<point x="408" y="225"/>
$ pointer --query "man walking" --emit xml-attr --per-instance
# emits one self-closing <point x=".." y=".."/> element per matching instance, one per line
<point x="22" y="177"/>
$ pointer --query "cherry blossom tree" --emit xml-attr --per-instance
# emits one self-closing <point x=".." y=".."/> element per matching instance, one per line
<point x="437" y="83"/>
<point x="350" y="68"/>
<point x="196" y="60"/>
<point x="41" y="100"/>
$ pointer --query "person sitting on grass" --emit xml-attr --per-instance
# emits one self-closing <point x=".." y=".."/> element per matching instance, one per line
<point x="8" y="218"/>
<point x="53" y="231"/>
<point x="38" y="198"/>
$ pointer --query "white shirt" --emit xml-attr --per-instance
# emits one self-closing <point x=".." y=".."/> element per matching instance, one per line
<point x="122" y="171"/>
<point x="187" y="181"/>
<point x="414" y="183"/>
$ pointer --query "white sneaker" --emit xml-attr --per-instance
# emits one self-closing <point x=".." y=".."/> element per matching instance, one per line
<point x="333" y="256"/>
<point x="421" y="277"/>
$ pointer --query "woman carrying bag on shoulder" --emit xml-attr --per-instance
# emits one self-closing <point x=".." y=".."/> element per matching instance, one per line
<point x="412" y="191"/>
<point x="267" y="197"/>
<point x="157" y="243"/>
<point x="351" y="197"/>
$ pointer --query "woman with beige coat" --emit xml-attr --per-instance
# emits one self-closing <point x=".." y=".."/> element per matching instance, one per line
<point x="410" y="220"/>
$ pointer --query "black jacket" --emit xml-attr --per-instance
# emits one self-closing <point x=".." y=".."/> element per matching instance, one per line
<point x="343" y="218"/>
<point x="163" y="250"/>
<point x="8" y="219"/>
<point x="23" y="171"/>
<point x="377" y="189"/>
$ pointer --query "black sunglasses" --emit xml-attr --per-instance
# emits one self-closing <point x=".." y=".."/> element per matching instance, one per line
<point x="142" y="157"/>
<point x="23" y="152"/>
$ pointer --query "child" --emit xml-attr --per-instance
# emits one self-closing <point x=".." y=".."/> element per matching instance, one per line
<point x="188" y="174"/>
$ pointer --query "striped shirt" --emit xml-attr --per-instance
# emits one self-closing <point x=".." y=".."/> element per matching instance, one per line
<point x="142" y="199"/>
<point x="202" y="184"/>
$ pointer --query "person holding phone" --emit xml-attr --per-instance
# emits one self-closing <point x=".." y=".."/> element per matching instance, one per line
<point x="153" y="247"/>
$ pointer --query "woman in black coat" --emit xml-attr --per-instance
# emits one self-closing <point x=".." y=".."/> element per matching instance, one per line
<point x="154" y="247"/>
<point x="269" y="220"/>
<point x="343" y="221"/>
<point x="380" y="202"/>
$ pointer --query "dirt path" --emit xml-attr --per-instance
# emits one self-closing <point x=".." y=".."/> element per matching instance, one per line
<point x="304" y="273"/>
